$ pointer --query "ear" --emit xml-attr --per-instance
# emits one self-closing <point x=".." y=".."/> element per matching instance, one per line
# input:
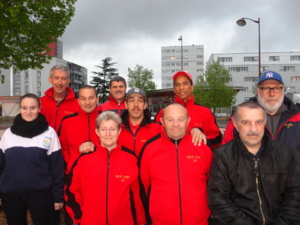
<point x="235" y="124"/>
<point x="162" y="121"/>
<point x="97" y="132"/>
<point x="189" y="119"/>
<point x="50" y="80"/>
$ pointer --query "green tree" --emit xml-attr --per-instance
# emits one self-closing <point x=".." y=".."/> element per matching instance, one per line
<point x="141" y="78"/>
<point x="212" y="89"/>
<point x="27" y="27"/>
<point x="101" y="80"/>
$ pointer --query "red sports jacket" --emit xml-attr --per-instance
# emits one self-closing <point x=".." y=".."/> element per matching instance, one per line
<point x="55" y="112"/>
<point x="174" y="175"/>
<point x="112" y="105"/>
<point x="100" y="187"/>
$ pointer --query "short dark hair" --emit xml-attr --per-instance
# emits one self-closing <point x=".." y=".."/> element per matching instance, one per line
<point x="117" y="79"/>
<point x="88" y="87"/>
<point x="249" y="105"/>
<point x="31" y="95"/>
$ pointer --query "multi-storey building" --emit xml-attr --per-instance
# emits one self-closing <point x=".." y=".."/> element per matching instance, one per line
<point x="18" y="83"/>
<point x="243" y="68"/>
<point x="191" y="60"/>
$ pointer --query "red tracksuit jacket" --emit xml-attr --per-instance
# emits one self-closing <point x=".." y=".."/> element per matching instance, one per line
<point x="174" y="176"/>
<point x="100" y="186"/>
<point x="112" y="105"/>
<point x="55" y="112"/>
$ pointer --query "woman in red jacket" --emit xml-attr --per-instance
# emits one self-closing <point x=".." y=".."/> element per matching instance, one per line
<point x="101" y="185"/>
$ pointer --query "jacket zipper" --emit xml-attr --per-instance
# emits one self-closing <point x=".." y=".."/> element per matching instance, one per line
<point x="257" y="190"/>
<point x="107" y="180"/>
<point x="179" y="188"/>
<point x="89" y="133"/>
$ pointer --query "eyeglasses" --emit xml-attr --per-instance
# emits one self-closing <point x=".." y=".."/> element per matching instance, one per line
<point x="110" y="130"/>
<point x="268" y="89"/>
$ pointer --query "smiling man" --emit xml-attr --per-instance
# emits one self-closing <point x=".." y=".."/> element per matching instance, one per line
<point x="253" y="179"/>
<point x="116" y="99"/>
<point x="79" y="127"/>
<point x="283" y="116"/>
<point x="201" y="116"/>
<point x="174" y="172"/>
<point x="59" y="100"/>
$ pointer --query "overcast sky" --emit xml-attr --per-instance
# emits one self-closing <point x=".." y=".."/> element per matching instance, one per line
<point x="132" y="32"/>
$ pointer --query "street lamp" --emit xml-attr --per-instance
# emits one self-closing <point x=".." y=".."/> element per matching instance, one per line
<point x="180" y="39"/>
<point x="241" y="22"/>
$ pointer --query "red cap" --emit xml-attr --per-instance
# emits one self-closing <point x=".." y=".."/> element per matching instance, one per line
<point x="182" y="73"/>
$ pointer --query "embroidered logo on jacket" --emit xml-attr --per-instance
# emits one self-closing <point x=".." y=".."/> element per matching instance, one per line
<point x="195" y="158"/>
<point x="288" y="125"/>
<point x="47" y="142"/>
<point x="123" y="178"/>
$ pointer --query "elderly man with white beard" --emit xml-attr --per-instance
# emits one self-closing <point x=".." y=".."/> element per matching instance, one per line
<point x="283" y="116"/>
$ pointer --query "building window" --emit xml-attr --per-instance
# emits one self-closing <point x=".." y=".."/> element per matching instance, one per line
<point x="186" y="57"/>
<point x="225" y="59"/>
<point x="295" y="78"/>
<point x="295" y="57"/>
<point x="173" y="64"/>
<point x="290" y="89"/>
<point x="178" y="64"/>
<point x="244" y="89"/>
<point x="185" y="50"/>
<point x="287" y="68"/>
<point x="199" y="56"/>
<point x="274" y="58"/>
<point x="246" y="99"/>
<point x="250" y="79"/>
<point x="251" y="59"/>
<point x="199" y="63"/>
<point x="186" y="64"/>
<point x="265" y="68"/>
<point x="237" y="69"/>
<point x="200" y="70"/>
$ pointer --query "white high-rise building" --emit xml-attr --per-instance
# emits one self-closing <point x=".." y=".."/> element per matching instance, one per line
<point x="192" y="61"/>
<point x="243" y="68"/>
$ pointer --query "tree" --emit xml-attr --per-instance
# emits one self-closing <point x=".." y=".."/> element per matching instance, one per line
<point x="141" y="78"/>
<point x="212" y="89"/>
<point x="101" y="80"/>
<point x="27" y="27"/>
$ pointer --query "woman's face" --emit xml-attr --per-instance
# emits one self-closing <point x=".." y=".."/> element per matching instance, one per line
<point x="108" y="133"/>
<point x="29" y="109"/>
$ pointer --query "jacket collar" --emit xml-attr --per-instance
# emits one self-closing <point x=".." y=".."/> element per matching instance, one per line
<point x="146" y="120"/>
<point x="70" y="94"/>
<point x="190" y="101"/>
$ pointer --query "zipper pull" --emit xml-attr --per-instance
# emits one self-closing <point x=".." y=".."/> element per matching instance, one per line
<point x="256" y="167"/>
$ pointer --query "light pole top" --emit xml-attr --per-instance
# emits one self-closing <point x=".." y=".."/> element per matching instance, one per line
<point x="242" y="22"/>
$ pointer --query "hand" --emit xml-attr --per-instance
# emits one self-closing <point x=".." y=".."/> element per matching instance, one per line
<point x="86" y="147"/>
<point x="198" y="137"/>
<point x="58" y="206"/>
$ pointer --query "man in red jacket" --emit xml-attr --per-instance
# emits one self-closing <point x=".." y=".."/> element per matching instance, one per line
<point x="69" y="135"/>
<point x="174" y="173"/>
<point x="201" y="116"/>
<point x="116" y="99"/>
<point x="59" y="100"/>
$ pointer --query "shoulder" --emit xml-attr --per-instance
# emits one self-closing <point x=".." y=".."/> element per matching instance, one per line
<point x="148" y="146"/>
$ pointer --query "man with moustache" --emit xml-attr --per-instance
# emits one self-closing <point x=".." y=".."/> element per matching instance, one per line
<point x="254" y="180"/>
<point x="283" y="116"/>
<point x="116" y="99"/>
<point x="59" y="100"/>
<point x="79" y="127"/>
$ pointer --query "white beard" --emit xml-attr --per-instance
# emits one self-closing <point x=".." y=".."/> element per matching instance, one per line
<point x="271" y="109"/>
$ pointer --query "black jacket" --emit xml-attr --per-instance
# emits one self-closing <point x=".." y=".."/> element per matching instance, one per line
<point x="237" y="184"/>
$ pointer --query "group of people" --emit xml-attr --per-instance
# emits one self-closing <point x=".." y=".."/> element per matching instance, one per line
<point x="111" y="164"/>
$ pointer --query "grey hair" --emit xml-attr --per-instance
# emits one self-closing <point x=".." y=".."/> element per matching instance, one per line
<point x="61" y="68"/>
<point x="249" y="105"/>
<point x="108" y="115"/>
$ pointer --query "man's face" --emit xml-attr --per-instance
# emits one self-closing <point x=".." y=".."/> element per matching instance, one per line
<point x="271" y="101"/>
<point x="175" y="121"/>
<point x="136" y="104"/>
<point x="59" y="80"/>
<point x="183" y="88"/>
<point x="250" y="124"/>
<point x="87" y="99"/>
<point x="118" y="90"/>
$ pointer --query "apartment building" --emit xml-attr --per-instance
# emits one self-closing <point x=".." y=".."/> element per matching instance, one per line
<point x="243" y="68"/>
<point x="189" y="58"/>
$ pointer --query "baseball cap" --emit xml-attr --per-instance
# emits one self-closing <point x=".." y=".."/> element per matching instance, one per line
<point x="270" y="75"/>
<point x="182" y="73"/>
<point x="136" y="90"/>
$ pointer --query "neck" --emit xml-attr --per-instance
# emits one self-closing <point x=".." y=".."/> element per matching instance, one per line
<point x="59" y="96"/>
<point x="253" y="149"/>
<point x="136" y="121"/>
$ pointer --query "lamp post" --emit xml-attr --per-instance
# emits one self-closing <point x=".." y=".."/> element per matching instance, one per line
<point x="241" y="22"/>
<point x="180" y="39"/>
